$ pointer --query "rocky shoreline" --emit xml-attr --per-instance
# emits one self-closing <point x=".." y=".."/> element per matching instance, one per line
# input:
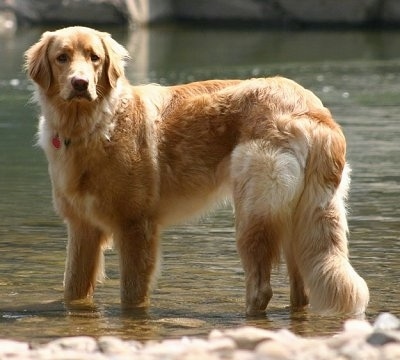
<point x="263" y="12"/>
<point x="358" y="340"/>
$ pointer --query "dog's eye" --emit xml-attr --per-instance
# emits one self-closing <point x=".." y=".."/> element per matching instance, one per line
<point x="94" y="57"/>
<point x="62" y="58"/>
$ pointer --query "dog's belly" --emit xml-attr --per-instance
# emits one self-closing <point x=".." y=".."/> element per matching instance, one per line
<point x="176" y="209"/>
<point x="187" y="193"/>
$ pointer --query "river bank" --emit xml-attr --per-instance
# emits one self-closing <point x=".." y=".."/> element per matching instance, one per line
<point x="265" y="12"/>
<point x="358" y="340"/>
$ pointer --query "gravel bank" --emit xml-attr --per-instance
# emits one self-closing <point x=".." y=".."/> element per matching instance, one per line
<point x="358" y="340"/>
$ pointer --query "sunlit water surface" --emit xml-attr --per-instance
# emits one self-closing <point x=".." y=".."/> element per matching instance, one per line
<point x="356" y="74"/>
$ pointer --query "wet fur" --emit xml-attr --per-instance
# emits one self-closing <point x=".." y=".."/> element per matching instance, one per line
<point x="134" y="159"/>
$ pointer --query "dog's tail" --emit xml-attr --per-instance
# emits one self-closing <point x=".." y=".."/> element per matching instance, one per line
<point x="320" y="225"/>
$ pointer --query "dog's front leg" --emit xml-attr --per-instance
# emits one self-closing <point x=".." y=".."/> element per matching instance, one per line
<point x="84" y="264"/>
<point x="139" y="256"/>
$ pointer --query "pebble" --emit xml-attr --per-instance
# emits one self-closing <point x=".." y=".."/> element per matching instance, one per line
<point x="387" y="321"/>
<point x="359" y="340"/>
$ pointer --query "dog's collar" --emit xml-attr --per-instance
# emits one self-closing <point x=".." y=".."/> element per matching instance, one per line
<point x="57" y="143"/>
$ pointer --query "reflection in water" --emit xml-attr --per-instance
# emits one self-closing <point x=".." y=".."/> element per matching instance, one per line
<point x="201" y="286"/>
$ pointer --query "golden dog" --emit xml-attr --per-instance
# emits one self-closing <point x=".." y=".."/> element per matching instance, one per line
<point x="126" y="161"/>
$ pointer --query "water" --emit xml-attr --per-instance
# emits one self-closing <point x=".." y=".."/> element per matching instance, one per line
<point x="357" y="76"/>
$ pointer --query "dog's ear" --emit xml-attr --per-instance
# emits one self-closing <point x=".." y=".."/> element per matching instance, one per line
<point x="37" y="63"/>
<point x="116" y="57"/>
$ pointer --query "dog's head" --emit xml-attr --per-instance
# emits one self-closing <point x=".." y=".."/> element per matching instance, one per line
<point x="76" y="63"/>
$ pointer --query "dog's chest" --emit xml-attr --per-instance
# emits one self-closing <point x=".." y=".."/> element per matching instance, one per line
<point x="76" y="179"/>
<point x="82" y="197"/>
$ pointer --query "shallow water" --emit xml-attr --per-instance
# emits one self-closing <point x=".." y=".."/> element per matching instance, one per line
<point x="201" y="286"/>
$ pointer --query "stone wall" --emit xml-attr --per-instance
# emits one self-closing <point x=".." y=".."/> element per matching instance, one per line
<point x="263" y="12"/>
<point x="67" y="11"/>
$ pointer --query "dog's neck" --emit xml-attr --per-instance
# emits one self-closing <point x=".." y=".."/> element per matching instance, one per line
<point x="74" y="122"/>
<point x="57" y="142"/>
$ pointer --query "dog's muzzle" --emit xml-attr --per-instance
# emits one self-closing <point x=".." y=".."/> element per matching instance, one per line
<point x="80" y="88"/>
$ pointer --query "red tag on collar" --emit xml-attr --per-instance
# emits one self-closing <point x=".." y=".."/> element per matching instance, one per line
<point x="56" y="141"/>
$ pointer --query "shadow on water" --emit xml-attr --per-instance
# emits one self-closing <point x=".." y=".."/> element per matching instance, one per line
<point x="201" y="286"/>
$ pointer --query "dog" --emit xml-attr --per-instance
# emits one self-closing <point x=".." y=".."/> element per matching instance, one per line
<point x="126" y="161"/>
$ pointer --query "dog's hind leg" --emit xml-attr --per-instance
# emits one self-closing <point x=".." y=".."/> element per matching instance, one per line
<point x="85" y="262"/>
<point x="258" y="246"/>
<point x="266" y="183"/>
<point x="298" y="292"/>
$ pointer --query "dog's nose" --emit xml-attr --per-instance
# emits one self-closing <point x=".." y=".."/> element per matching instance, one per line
<point x="79" y="83"/>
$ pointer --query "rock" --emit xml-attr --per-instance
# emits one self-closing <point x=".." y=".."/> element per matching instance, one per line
<point x="221" y="344"/>
<point x="390" y="12"/>
<point x="267" y="12"/>
<point x="357" y="341"/>
<point x="149" y="11"/>
<point x="274" y="350"/>
<point x="113" y="345"/>
<point x="10" y="348"/>
<point x="386" y="321"/>
<point x="245" y="337"/>
<point x="339" y="12"/>
<point x="254" y="10"/>
<point x="182" y="348"/>
<point x="78" y="343"/>
<point x="351" y="12"/>
<point x="68" y="11"/>
<point x="242" y="355"/>
<point x="358" y="349"/>
<point x="8" y="22"/>
<point x="171" y="347"/>
<point x="315" y="351"/>
<point x="379" y="339"/>
<point x="358" y="327"/>
<point x="390" y="352"/>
